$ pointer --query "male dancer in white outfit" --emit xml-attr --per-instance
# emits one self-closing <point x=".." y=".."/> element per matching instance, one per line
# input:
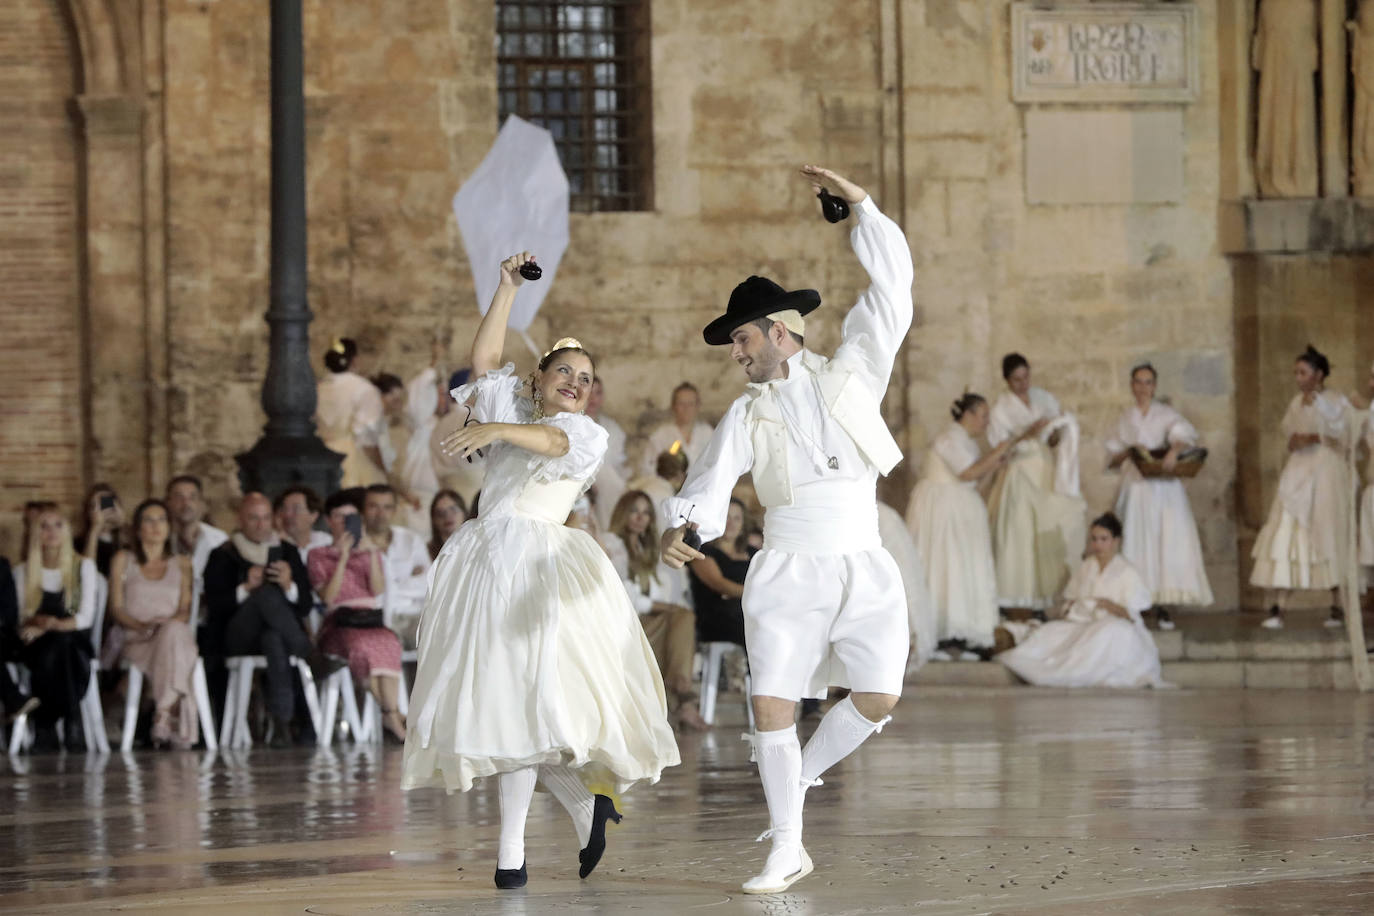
<point x="823" y="588"/>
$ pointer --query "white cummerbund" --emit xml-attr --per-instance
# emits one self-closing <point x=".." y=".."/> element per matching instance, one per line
<point x="830" y="517"/>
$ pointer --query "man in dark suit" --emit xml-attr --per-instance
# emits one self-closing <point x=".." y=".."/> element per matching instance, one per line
<point x="257" y="596"/>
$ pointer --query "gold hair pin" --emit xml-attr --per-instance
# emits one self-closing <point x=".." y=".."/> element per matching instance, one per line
<point x="564" y="343"/>
<point x="338" y="346"/>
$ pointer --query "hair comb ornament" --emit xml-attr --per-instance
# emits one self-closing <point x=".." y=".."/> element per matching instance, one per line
<point x="834" y="209"/>
<point x="338" y="346"/>
<point x="563" y="343"/>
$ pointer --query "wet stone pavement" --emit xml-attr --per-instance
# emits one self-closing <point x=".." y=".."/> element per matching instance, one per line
<point x="972" y="801"/>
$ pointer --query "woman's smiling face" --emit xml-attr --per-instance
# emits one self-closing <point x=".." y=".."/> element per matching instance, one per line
<point x="566" y="384"/>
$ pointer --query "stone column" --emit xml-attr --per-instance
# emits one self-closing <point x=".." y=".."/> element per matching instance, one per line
<point x="116" y="326"/>
<point x="289" y="451"/>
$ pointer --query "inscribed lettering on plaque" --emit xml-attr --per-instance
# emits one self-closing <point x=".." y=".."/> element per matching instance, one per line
<point x="1104" y="52"/>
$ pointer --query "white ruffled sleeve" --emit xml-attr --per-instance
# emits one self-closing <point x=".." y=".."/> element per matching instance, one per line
<point x="586" y="449"/>
<point x="497" y="401"/>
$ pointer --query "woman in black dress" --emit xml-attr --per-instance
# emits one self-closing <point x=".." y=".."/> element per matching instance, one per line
<point x="718" y="580"/>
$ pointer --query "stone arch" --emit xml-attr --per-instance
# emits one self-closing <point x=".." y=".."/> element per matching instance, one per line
<point x="123" y="256"/>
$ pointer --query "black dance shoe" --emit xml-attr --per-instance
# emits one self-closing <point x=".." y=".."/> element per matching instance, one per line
<point x="590" y="855"/>
<point x="74" y="737"/>
<point x="508" y="879"/>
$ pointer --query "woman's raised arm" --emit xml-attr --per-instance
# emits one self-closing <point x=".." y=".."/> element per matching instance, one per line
<point x="490" y="339"/>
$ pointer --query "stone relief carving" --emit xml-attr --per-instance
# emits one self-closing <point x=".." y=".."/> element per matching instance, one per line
<point x="1362" y="74"/>
<point x="1285" y="52"/>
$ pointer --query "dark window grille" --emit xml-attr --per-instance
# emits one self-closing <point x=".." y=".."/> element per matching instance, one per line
<point x="581" y="70"/>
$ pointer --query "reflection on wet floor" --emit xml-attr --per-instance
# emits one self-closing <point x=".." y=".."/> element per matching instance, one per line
<point x="971" y="801"/>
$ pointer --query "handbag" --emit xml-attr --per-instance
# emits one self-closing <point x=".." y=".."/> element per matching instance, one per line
<point x="358" y="618"/>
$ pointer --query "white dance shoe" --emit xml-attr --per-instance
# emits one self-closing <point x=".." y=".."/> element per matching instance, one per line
<point x="1273" y="622"/>
<point x="783" y="869"/>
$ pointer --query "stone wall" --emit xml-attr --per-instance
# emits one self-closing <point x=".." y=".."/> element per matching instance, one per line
<point x="41" y="435"/>
<point x="1084" y="291"/>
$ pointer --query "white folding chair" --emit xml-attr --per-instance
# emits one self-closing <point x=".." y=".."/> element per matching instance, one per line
<point x="133" y="696"/>
<point x="234" y="731"/>
<point x="710" y="681"/>
<point x="365" y="724"/>
<point x="92" y="714"/>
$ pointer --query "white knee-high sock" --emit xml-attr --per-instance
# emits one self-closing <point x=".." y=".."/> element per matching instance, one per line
<point x="840" y="733"/>
<point x="517" y="790"/>
<point x="780" y="759"/>
<point x="572" y="794"/>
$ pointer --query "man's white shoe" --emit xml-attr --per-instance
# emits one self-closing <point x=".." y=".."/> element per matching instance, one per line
<point x="1274" y="622"/>
<point x="780" y="872"/>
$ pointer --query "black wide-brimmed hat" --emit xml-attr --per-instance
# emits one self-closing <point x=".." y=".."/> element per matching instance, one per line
<point x="757" y="297"/>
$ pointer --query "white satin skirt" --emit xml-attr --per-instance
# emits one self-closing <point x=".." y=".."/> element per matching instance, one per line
<point x="531" y="653"/>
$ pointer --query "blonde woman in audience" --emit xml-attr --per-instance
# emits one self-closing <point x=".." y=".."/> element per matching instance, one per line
<point x="662" y="598"/>
<point x="57" y="591"/>
<point x="1160" y="538"/>
<point x="532" y="666"/>
<point x="349" y="410"/>
<point x="1035" y="505"/>
<point x="150" y="598"/>
<point x="1305" y="541"/>
<point x="1100" y="640"/>
<point x="949" y="521"/>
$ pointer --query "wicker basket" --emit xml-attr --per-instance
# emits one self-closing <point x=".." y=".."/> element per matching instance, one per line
<point x="1150" y="464"/>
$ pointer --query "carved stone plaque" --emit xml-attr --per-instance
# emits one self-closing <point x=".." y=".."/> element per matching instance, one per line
<point x="1104" y="52"/>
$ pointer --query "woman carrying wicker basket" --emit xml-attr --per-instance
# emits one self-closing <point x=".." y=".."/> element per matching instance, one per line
<point x="1160" y="536"/>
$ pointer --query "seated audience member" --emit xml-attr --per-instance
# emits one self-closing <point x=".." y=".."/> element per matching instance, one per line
<point x="685" y="427"/>
<point x="447" y="513"/>
<point x="13" y="700"/>
<point x="670" y="473"/>
<point x="718" y="580"/>
<point x="150" y="598"/>
<point x="105" y="513"/>
<point x="295" y="511"/>
<point x="660" y="595"/>
<point x="32" y="510"/>
<point x="349" y="575"/>
<point x="257" y="596"/>
<point x="194" y="537"/>
<point x="405" y="562"/>
<point x="1101" y="640"/>
<point x="56" y="589"/>
<point x="615" y="470"/>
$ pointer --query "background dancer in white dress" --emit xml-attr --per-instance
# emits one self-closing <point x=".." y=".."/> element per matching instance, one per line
<point x="1304" y="542"/>
<point x="348" y="410"/>
<point x="1160" y="538"/>
<point x="1036" y="509"/>
<point x="532" y="663"/>
<point x="949" y="520"/>
<point x="1101" y="640"/>
<point x="812" y="433"/>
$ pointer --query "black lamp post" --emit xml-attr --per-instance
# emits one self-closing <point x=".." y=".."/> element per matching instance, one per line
<point x="289" y="452"/>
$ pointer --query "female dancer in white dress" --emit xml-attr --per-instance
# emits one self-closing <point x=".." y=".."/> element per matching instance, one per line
<point x="1305" y="541"/>
<point x="950" y="523"/>
<point x="1366" y="540"/>
<point x="1161" y="538"/>
<point x="1101" y="640"/>
<point x="1036" y="509"/>
<point x="532" y="663"/>
<point x="348" y="410"/>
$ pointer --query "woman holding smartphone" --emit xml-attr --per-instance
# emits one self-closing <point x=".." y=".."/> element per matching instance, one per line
<point x="348" y="576"/>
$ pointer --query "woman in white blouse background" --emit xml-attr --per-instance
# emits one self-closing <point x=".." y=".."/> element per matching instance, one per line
<point x="1160" y="536"/>
<point x="949" y="521"/>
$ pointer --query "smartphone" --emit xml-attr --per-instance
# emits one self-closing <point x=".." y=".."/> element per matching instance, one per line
<point x="107" y="501"/>
<point x="273" y="554"/>
<point x="354" y="525"/>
